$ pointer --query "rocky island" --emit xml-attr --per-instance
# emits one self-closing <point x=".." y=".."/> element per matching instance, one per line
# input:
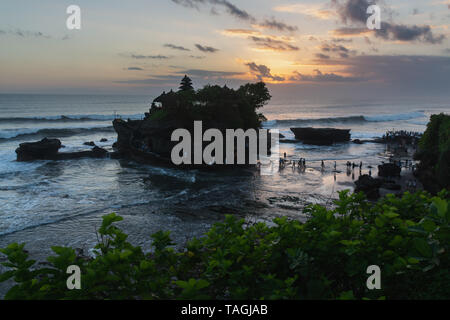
<point x="321" y="136"/>
<point x="149" y="140"/>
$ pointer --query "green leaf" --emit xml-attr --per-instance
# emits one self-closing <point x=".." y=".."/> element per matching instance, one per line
<point x="429" y="226"/>
<point x="422" y="247"/>
<point x="441" y="206"/>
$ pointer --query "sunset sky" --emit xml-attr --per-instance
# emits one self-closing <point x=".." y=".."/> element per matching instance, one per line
<point x="298" y="47"/>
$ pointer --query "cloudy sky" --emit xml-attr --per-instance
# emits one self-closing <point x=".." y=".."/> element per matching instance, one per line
<point x="320" y="47"/>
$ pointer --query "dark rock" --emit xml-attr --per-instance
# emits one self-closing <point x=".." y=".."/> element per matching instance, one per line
<point x="149" y="141"/>
<point x="391" y="186"/>
<point x="389" y="170"/>
<point x="370" y="186"/>
<point x="91" y="143"/>
<point x="104" y="140"/>
<point x="98" y="152"/>
<point x="288" y="141"/>
<point x="357" y="141"/>
<point x="116" y="155"/>
<point x="46" y="149"/>
<point x="321" y="136"/>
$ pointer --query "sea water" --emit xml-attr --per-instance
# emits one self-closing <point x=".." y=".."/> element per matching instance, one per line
<point x="38" y="193"/>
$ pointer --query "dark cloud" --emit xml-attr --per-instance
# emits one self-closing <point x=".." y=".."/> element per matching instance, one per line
<point x="25" y="33"/>
<point x="326" y="47"/>
<point x="228" y="6"/>
<point x="277" y="25"/>
<point x="190" y="3"/>
<point x="273" y="44"/>
<point x="197" y="57"/>
<point x="318" y="76"/>
<point x="142" y="57"/>
<point x="339" y="50"/>
<point x="339" y="40"/>
<point x="355" y="11"/>
<point x="206" y="48"/>
<point x="261" y="71"/>
<point x="233" y="10"/>
<point x="199" y="77"/>
<point x="408" y="33"/>
<point x="208" y="73"/>
<point x="236" y="12"/>
<point x="175" y="47"/>
<point x="322" y="56"/>
<point x="135" y="69"/>
<point x="154" y="80"/>
<point x="350" y="31"/>
<point x="409" y="73"/>
<point x="32" y="34"/>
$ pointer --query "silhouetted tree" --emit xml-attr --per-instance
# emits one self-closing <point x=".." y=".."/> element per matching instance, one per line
<point x="186" y="84"/>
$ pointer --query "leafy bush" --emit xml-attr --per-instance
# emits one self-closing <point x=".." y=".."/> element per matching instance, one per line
<point x="323" y="258"/>
<point x="434" y="151"/>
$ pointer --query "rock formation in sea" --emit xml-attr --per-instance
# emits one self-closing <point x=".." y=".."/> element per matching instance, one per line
<point x="149" y="140"/>
<point x="321" y="136"/>
<point x="48" y="149"/>
<point x="369" y="185"/>
<point x="389" y="170"/>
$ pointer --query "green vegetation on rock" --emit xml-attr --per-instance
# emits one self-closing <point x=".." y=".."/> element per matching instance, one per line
<point x="217" y="106"/>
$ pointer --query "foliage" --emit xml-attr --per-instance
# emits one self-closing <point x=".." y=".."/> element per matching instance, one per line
<point x="323" y="258"/>
<point x="186" y="84"/>
<point x="434" y="149"/>
<point x="219" y="107"/>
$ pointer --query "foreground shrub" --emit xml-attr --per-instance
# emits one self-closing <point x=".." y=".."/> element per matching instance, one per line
<point x="324" y="258"/>
<point x="434" y="153"/>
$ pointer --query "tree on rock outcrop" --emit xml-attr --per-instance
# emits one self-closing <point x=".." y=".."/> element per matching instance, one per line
<point x="186" y="84"/>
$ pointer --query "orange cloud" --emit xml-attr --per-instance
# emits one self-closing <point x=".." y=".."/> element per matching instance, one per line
<point x="314" y="10"/>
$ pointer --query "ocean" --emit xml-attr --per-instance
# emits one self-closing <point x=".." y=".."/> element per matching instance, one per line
<point x="63" y="201"/>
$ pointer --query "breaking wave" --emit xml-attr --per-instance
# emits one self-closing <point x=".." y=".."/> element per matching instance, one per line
<point x="350" y="120"/>
<point x="70" y="118"/>
<point x="55" y="132"/>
